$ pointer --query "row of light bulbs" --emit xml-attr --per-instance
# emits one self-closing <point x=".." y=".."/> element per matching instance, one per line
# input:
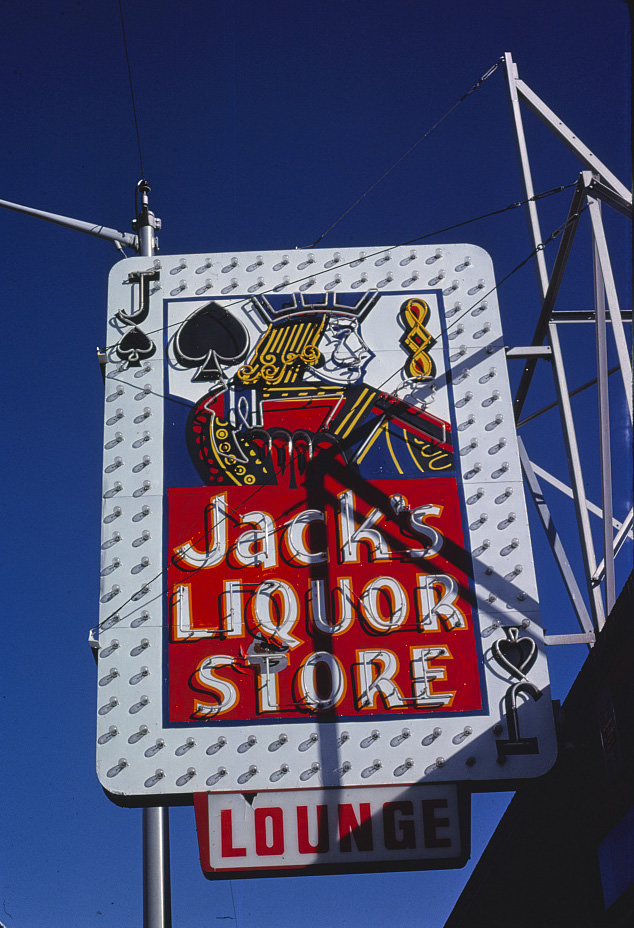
<point x="310" y="259"/>
<point x="252" y="770"/>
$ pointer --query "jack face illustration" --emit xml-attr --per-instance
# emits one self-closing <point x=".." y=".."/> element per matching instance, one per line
<point x="344" y="352"/>
<point x="301" y="393"/>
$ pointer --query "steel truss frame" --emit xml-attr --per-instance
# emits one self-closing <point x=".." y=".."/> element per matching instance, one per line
<point x="596" y="186"/>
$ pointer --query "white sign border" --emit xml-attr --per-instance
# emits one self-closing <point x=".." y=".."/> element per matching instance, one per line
<point x="140" y="757"/>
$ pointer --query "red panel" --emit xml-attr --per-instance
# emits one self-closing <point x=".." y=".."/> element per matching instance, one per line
<point x="390" y="573"/>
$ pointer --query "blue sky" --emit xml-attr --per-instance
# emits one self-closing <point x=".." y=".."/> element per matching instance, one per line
<point x="260" y="123"/>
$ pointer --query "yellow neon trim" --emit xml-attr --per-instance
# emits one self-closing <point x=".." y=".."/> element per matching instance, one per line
<point x="351" y="425"/>
<point x="295" y="335"/>
<point x="219" y="456"/>
<point x="409" y="448"/>
<point x="391" y="450"/>
<point x="370" y="441"/>
<point x="352" y="410"/>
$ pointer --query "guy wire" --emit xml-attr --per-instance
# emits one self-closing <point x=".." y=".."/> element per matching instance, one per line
<point x="127" y="58"/>
<point x="477" y="84"/>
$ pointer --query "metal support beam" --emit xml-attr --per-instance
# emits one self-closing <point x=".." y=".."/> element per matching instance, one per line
<point x="562" y="316"/>
<point x="604" y="430"/>
<point x="576" y="478"/>
<point x="530" y="351"/>
<point x="540" y="412"/>
<point x="583" y="617"/>
<point x="604" y="186"/>
<point x="78" y="225"/>
<point x="602" y="260"/>
<point x="624" y="531"/>
<point x="157" y="904"/>
<point x="589" y="638"/>
<point x="552" y="289"/>
<point x="570" y="140"/>
<point x="591" y="507"/>
<point x="611" y="198"/>
<point x="531" y="206"/>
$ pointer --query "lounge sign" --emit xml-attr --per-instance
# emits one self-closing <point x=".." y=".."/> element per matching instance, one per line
<point x="336" y="831"/>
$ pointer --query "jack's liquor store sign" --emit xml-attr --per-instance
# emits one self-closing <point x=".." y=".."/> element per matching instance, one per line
<point x="367" y="615"/>
<point x="314" y="518"/>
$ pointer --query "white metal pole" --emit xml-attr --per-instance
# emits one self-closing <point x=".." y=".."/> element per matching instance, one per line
<point x="603" y="255"/>
<point x="623" y="532"/>
<point x="570" y="140"/>
<point x="157" y="902"/>
<point x="604" y="429"/>
<point x="559" y="267"/>
<point x="78" y="225"/>
<point x="531" y="206"/>
<point x="576" y="478"/>
<point x="555" y="542"/>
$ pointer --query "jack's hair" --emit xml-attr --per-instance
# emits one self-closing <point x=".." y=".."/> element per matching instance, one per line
<point x="285" y="351"/>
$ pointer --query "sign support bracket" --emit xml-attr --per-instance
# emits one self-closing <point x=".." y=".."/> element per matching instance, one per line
<point x="156" y="864"/>
<point x="78" y="225"/>
<point x="595" y="185"/>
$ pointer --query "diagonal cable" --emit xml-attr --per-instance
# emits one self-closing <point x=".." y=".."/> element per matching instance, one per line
<point x="127" y="58"/>
<point x="382" y="251"/>
<point x="477" y="84"/>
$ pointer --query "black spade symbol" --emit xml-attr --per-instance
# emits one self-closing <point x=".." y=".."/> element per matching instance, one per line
<point x="209" y="337"/>
<point x="135" y="347"/>
<point x="516" y="655"/>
